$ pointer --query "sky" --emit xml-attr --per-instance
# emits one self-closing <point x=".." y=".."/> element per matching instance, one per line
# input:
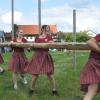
<point x="56" y="12"/>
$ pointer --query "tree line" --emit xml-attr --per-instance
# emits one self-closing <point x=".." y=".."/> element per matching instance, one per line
<point x="64" y="36"/>
<point x="69" y="37"/>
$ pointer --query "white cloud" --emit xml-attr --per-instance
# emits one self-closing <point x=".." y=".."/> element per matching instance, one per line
<point x="61" y="16"/>
<point x="6" y="18"/>
<point x="87" y="16"/>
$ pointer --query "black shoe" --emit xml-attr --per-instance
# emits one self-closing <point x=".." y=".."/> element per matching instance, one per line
<point x="54" y="93"/>
<point x="31" y="92"/>
<point x="2" y="72"/>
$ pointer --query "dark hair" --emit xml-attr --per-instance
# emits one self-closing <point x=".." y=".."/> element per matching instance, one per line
<point x="44" y="27"/>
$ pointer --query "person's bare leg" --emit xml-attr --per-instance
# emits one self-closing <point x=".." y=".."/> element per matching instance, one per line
<point x="52" y="82"/>
<point x="33" y="82"/>
<point x="15" y="80"/>
<point x="92" y="90"/>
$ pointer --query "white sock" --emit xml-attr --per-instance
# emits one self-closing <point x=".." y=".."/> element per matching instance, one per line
<point x="15" y="86"/>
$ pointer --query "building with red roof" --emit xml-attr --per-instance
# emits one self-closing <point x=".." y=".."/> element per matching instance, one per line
<point x="30" y="31"/>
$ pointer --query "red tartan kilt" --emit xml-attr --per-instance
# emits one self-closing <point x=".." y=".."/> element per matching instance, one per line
<point x="41" y="63"/>
<point x="90" y="74"/>
<point x="18" y="62"/>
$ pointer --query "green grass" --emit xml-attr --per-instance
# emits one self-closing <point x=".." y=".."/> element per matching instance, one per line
<point x="67" y="80"/>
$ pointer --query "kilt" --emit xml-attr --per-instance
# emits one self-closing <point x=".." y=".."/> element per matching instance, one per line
<point x="41" y="63"/>
<point x="18" y="62"/>
<point x="90" y="74"/>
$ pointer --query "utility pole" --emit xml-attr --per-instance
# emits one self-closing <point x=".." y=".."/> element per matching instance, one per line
<point x="12" y="18"/>
<point x="74" y="37"/>
<point x="39" y="16"/>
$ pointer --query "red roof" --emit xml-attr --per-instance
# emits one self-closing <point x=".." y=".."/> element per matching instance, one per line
<point x="33" y="29"/>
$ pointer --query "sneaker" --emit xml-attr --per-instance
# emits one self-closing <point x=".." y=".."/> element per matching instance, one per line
<point x="2" y="72"/>
<point x="55" y="93"/>
<point x="31" y="92"/>
<point x="15" y="87"/>
<point x="25" y="81"/>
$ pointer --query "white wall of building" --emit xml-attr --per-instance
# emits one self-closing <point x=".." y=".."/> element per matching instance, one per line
<point x="30" y="38"/>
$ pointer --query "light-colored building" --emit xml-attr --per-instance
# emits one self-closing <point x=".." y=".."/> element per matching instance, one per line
<point x="91" y="33"/>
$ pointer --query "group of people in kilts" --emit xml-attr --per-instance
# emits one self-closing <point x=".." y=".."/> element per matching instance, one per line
<point x="42" y="63"/>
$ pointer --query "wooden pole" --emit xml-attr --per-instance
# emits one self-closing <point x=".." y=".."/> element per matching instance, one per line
<point x="65" y="45"/>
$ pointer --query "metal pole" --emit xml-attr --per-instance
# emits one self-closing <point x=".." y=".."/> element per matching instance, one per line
<point x="39" y="16"/>
<point x="12" y="17"/>
<point x="74" y="37"/>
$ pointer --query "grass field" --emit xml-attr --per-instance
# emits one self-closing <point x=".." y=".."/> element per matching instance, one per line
<point x="67" y="80"/>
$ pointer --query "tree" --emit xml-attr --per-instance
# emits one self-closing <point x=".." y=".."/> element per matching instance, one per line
<point x="82" y="37"/>
<point x="69" y="37"/>
<point x="16" y="29"/>
<point x="60" y="36"/>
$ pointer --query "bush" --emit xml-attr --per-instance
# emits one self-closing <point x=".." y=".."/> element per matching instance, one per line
<point x="80" y="37"/>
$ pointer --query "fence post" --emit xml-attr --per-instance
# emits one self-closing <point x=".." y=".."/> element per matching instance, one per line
<point x="74" y="38"/>
<point x="12" y="17"/>
<point x="39" y="16"/>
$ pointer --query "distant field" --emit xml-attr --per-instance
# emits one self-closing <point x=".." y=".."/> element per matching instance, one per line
<point x="67" y="80"/>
